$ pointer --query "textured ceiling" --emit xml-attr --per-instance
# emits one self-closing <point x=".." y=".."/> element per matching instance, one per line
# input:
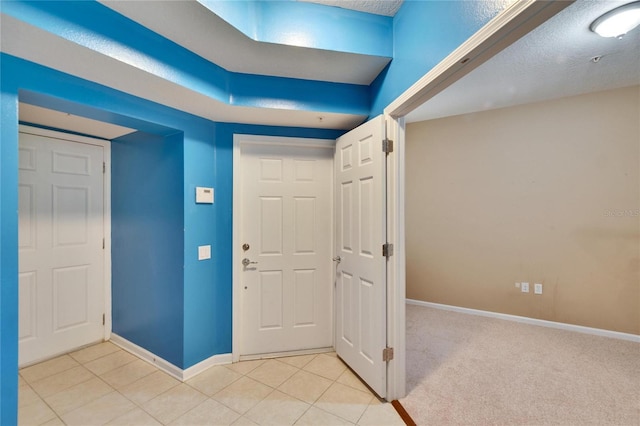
<point x="552" y="61"/>
<point x="378" y="7"/>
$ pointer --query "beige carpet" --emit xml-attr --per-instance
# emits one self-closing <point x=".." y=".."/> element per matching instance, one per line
<point x="470" y="370"/>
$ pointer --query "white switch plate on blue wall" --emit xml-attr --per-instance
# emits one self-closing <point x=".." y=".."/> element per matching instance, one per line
<point x="204" y="252"/>
<point x="204" y="195"/>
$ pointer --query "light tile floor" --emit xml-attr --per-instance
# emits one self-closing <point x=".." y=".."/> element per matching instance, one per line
<point x="105" y="385"/>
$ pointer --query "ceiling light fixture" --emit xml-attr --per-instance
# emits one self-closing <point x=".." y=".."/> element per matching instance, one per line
<point x="617" y="22"/>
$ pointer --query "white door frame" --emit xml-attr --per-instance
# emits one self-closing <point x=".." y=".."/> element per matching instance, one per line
<point x="503" y="30"/>
<point x="236" y="268"/>
<point x="106" y="145"/>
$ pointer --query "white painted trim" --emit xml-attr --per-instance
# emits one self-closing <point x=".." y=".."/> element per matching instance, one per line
<point x="396" y="285"/>
<point x="147" y="356"/>
<point x="284" y="141"/>
<point x="503" y="30"/>
<point x="531" y="321"/>
<point x="236" y="253"/>
<point x="194" y="370"/>
<point x="54" y="134"/>
<point x="165" y="365"/>
<point x="108" y="324"/>
<point x="106" y="205"/>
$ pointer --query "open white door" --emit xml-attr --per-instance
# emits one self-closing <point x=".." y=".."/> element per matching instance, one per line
<point x="361" y="301"/>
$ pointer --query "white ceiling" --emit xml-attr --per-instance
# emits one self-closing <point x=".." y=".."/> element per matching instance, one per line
<point x="378" y="7"/>
<point x="552" y="61"/>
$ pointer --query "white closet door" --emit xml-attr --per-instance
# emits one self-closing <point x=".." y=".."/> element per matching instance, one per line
<point x="61" y="231"/>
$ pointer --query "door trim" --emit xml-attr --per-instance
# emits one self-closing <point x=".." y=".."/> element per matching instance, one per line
<point x="106" y="145"/>
<point x="517" y="20"/>
<point x="504" y="29"/>
<point x="236" y="268"/>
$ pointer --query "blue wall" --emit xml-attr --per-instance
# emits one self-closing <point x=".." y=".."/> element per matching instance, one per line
<point x="95" y="26"/>
<point x="147" y="237"/>
<point x="204" y="157"/>
<point x="424" y="33"/>
<point x="8" y="253"/>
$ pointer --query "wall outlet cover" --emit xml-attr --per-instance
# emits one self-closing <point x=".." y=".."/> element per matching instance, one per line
<point x="204" y="252"/>
<point x="537" y="288"/>
<point x="524" y="287"/>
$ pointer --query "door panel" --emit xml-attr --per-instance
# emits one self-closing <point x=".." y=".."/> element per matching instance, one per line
<point x="28" y="307"/>
<point x="361" y="232"/>
<point x="305" y="301"/>
<point x="70" y="294"/>
<point x="286" y="211"/>
<point x="61" y="231"/>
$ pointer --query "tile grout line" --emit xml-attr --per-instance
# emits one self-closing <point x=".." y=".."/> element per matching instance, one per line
<point x="45" y="403"/>
<point x="211" y="397"/>
<point x="108" y="384"/>
<point x="136" y="405"/>
<point x="42" y="398"/>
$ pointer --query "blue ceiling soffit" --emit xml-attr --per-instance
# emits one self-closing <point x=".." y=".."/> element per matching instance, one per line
<point x="308" y="25"/>
<point x="91" y="25"/>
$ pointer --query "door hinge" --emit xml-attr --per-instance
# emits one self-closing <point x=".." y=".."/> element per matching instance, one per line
<point x="103" y="244"/>
<point x="387" y="250"/>
<point x="387" y="145"/>
<point x="103" y="319"/>
<point x="387" y="354"/>
<point x="104" y="167"/>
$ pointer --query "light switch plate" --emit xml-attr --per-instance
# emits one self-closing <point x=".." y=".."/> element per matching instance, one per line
<point x="204" y="195"/>
<point x="204" y="252"/>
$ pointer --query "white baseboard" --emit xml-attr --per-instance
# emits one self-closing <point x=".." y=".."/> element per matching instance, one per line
<point x="198" y="368"/>
<point x="145" y="355"/>
<point x="165" y="365"/>
<point x="532" y="321"/>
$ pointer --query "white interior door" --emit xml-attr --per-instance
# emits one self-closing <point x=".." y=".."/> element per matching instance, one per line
<point x="361" y="315"/>
<point x="61" y="258"/>
<point x="286" y="224"/>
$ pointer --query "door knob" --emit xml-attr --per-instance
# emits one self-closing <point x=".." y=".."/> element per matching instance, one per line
<point x="337" y="259"/>
<point x="246" y="262"/>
